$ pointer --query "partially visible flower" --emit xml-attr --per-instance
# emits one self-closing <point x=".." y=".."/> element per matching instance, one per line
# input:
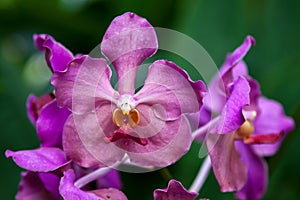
<point x="109" y="124"/>
<point x="248" y="127"/>
<point x="70" y="192"/>
<point x="37" y="186"/>
<point x="174" y="191"/>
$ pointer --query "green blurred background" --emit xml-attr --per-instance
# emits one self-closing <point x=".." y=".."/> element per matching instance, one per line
<point x="219" y="26"/>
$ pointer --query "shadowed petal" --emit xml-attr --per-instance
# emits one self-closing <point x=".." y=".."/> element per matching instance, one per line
<point x="229" y="170"/>
<point x="109" y="194"/>
<point x="44" y="159"/>
<point x="174" y="191"/>
<point x="50" y="125"/>
<point x="231" y="117"/>
<point x="31" y="187"/>
<point x="271" y="119"/>
<point x="57" y="56"/>
<point x="128" y="41"/>
<point x="171" y="88"/>
<point x="110" y="180"/>
<point x="257" y="180"/>
<point x="51" y="183"/>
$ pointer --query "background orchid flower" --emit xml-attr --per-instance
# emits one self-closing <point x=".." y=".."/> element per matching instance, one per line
<point x="248" y="127"/>
<point x="148" y="126"/>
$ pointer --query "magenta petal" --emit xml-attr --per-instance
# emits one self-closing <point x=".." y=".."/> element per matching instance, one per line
<point x="85" y="140"/>
<point x="35" y="104"/>
<point x="109" y="194"/>
<point x="44" y="159"/>
<point x="271" y="119"/>
<point x="85" y="85"/>
<point x="57" y="56"/>
<point x="50" y="125"/>
<point x="257" y="180"/>
<point x="229" y="170"/>
<point x="170" y="88"/>
<point x="31" y="187"/>
<point x="110" y="180"/>
<point x="70" y="192"/>
<point x="164" y="148"/>
<point x="174" y="191"/>
<point x="128" y="41"/>
<point x="51" y="183"/>
<point x="231" y="117"/>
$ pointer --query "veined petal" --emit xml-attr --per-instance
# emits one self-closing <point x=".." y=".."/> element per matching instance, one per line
<point x="57" y="56"/>
<point x="174" y="191"/>
<point x="44" y="159"/>
<point x="85" y="85"/>
<point x="128" y="41"/>
<point x="271" y="119"/>
<point x="231" y="117"/>
<point x="31" y="187"/>
<point x="171" y="89"/>
<point x="257" y="177"/>
<point x="50" y="124"/>
<point x="229" y="170"/>
<point x="85" y="138"/>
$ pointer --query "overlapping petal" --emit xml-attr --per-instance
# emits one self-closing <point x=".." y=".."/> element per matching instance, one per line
<point x="231" y="117"/>
<point x="257" y="171"/>
<point x="57" y="56"/>
<point x="271" y="119"/>
<point x="229" y="170"/>
<point x="50" y="124"/>
<point x="85" y="85"/>
<point x="31" y="187"/>
<point x="128" y="41"/>
<point x="70" y="192"/>
<point x="175" y="190"/>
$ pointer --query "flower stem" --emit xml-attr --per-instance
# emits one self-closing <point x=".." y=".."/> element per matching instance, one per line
<point x="95" y="175"/>
<point x="204" y="129"/>
<point x="201" y="176"/>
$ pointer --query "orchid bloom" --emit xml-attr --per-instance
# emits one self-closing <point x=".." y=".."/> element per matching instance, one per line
<point x="175" y="191"/>
<point x="248" y="127"/>
<point x="149" y="126"/>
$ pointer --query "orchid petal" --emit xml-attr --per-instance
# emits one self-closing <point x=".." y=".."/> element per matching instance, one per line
<point x="175" y="190"/>
<point x="110" y="180"/>
<point x="70" y="192"/>
<point x="229" y="170"/>
<point x="85" y="85"/>
<point x="271" y="119"/>
<point x="85" y="138"/>
<point x="50" y="124"/>
<point x="128" y="41"/>
<point x="51" y="183"/>
<point x="44" y="159"/>
<point x="35" y="104"/>
<point x="57" y="56"/>
<point x="31" y="187"/>
<point x="109" y="194"/>
<point x="231" y="117"/>
<point x="171" y="88"/>
<point x="257" y="180"/>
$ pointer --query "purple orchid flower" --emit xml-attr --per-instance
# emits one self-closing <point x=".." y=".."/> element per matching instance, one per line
<point x="248" y="127"/>
<point x="174" y="191"/>
<point x="148" y="126"/>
